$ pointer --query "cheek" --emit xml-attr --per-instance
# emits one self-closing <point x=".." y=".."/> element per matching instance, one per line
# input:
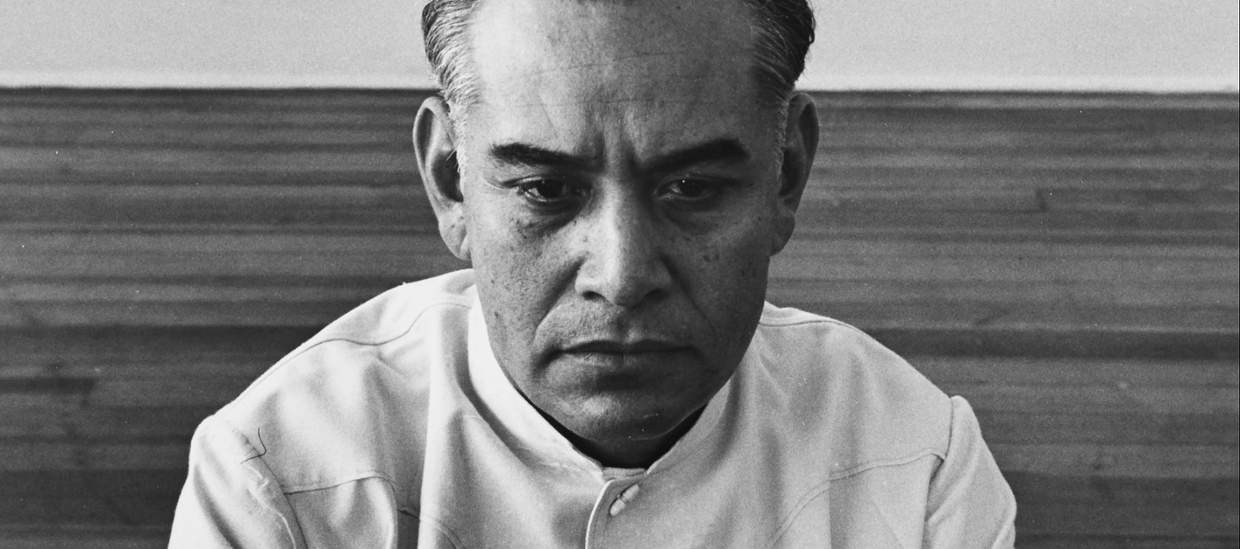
<point x="729" y="278"/>
<point x="515" y="279"/>
<point x="741" y="252"/>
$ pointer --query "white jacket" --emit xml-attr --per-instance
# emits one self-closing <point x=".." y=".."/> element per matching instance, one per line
<point x="395" y="428"/>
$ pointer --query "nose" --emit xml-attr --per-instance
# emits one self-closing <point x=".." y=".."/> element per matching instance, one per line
<point x="624" y="262"/>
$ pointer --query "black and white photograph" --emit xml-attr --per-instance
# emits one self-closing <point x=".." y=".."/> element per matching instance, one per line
<point x="620" y="274"/>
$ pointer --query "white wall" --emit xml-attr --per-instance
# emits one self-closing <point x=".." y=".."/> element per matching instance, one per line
<point x="1161" y="45"/>
<point x="211" y="43"/>
<point x="1142" y="45"/>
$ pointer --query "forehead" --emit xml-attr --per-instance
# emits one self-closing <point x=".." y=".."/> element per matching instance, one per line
<point x="576" y="74"/>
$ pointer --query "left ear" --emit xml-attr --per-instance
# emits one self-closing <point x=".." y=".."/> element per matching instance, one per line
<point x="800" y="145"/>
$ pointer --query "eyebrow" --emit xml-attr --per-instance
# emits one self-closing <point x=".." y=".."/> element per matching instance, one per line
<point x="522" y="154"/>
<point x="727" y="150"/>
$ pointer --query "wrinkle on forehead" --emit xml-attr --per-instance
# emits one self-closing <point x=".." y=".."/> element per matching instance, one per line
<point x="589" y="68"/>
<point x="609" y="41"/>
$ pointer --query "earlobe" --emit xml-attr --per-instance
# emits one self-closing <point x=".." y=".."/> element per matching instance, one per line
<point x="800" y="145"/>
<point x="434" y="142"/>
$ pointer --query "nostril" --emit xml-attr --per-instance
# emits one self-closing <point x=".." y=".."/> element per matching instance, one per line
<point x="635" y="293"/>
<point x="622" y="260"/>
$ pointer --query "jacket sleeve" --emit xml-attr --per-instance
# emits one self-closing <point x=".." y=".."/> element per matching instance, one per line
<point x="970" y="504"/>
<point x="230" y="498"/>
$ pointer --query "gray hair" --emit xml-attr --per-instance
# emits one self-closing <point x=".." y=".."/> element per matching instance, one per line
<point x="783" y="32"/>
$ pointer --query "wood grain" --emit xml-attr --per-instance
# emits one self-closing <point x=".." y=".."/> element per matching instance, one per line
<point x="1067" y="263"/>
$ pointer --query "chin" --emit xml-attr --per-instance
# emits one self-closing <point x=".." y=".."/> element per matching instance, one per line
<point x="620" y="422"/>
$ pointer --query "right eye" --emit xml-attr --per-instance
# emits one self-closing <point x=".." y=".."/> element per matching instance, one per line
<point x="548" y="191"/>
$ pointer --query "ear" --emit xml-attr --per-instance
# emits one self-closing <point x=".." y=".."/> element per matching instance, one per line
<point x="800" y="145"/>
<point x="434" y="142"/>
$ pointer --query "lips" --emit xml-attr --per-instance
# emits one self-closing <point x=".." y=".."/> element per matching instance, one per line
<point x="633" y="361"/>
<point x="623" y="348"/>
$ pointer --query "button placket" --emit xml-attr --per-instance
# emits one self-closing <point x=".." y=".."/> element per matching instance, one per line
<point x="611" y="501"/>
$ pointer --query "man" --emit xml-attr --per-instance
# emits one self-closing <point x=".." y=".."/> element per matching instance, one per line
<point x="619" y="174"/>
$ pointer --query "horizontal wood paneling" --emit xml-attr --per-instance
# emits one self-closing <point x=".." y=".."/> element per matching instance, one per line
<point x="1068" y="263"/>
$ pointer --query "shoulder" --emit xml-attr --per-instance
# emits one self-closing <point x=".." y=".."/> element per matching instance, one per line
<point x="863" y="404"/>
<point x="351" y="402"/>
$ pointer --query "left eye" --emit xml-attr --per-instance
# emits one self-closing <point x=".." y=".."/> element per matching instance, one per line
<point x="689" y="189"/>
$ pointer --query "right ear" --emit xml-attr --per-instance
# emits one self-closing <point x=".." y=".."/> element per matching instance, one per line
<point x="434" y="142"/>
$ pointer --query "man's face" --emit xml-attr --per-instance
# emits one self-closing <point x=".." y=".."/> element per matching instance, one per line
<point x="620" y="188"/>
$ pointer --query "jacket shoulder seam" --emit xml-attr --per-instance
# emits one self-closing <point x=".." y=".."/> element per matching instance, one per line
<point x="882" y="463"/>
<point x="317" y="341"/>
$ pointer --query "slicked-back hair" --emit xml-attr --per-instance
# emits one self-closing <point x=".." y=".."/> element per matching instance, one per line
<point x="783" y="32"/>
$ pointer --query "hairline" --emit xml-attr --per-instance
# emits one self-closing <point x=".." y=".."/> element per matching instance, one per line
<point x="772" y="68"/>
<point x="455" y="72"/>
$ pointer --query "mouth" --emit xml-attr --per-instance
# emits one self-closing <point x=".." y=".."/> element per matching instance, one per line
<point x="608" y="365"/>
<point x="638" y="347"/>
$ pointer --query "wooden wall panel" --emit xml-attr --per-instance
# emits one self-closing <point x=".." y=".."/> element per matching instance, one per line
<point x="1068" y="263"/>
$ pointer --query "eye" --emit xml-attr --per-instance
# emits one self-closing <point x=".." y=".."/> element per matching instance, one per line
<point x="548" y="191"/>
<point x="690" y="190"/>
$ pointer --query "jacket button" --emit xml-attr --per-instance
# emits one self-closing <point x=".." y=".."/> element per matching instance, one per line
<point x="625" y="497"/>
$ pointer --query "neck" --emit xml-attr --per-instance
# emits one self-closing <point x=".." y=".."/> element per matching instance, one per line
<point x="627" y="452"/>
